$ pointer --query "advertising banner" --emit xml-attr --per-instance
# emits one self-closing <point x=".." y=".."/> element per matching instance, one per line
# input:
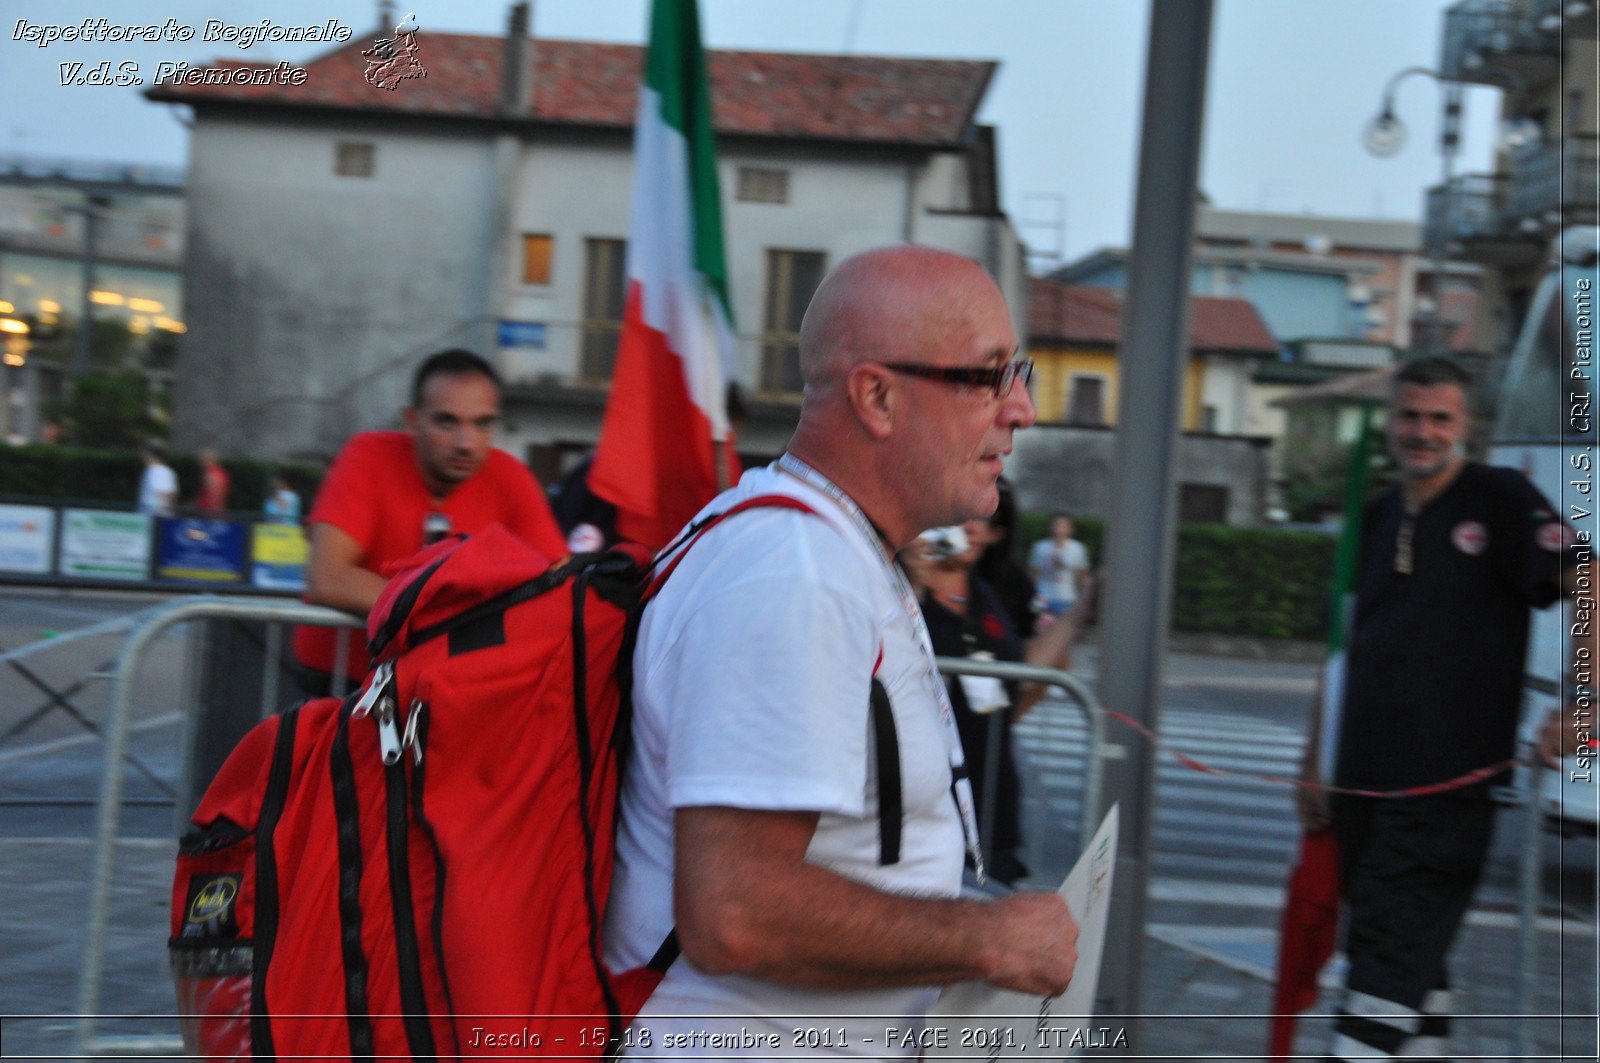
<point x="27" y="536"/>
<point x="278" y="555"/>
<point x="101" y="544"/>
<point x="211" y="551"/>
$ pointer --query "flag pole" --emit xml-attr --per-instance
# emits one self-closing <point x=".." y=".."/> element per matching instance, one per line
<point x="1311" y="907"/>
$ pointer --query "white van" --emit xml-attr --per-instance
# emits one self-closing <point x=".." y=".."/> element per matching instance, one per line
<point x="1545" y="427"/>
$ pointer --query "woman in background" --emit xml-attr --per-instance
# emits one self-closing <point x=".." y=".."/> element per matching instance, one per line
<point x="965" y="619"/>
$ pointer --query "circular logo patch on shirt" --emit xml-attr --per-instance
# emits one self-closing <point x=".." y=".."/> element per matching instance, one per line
<point x="1554" y="536"/>
<point x="586" y="538"/>
<point x="1470" y="537"/>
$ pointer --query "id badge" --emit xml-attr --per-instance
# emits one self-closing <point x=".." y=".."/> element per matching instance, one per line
<point x="984" y="693"/>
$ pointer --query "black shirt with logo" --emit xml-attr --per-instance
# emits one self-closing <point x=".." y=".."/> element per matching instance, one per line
<point x="1436" y="656"/>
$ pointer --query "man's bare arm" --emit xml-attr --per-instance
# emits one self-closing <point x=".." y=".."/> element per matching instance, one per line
<point x="1051" y="648"/>
<point x="746" y="902"/>
<point x="334" y="576"/>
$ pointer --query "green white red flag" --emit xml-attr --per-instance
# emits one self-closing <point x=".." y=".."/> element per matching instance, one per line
<point x="666" y="418"/>
<point x="1311" y="907"/>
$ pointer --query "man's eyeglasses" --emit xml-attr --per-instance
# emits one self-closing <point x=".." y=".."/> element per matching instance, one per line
<point x="998" y="379"/>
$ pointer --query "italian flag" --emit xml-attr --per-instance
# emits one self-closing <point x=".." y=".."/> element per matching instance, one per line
<point x="1311" y="907"/>
<point x="666" y="420"/>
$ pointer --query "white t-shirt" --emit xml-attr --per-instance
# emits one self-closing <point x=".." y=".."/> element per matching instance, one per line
<point x="1057" y="568"/>
<point x="751" y="689"/>
<point x="158" y="480"/>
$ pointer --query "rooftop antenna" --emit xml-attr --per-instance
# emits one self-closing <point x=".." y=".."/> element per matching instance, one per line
<point x="1048" y="217"/>
<point x="851" y="27"/>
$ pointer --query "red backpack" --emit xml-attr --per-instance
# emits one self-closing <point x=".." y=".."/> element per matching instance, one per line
<point x="420" y="869"/>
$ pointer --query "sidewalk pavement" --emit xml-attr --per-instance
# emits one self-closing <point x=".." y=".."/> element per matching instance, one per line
<point x="1207" y="967"/>
<point x="1208" y="964"/>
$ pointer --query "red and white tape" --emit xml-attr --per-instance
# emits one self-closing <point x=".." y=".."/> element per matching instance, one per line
<point x="1459" y="782"/>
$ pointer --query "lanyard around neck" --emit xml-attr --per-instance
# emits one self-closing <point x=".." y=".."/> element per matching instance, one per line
<point x="961" y="785"/>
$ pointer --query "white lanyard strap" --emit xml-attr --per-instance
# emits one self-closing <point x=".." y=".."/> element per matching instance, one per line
<point x="961" y="784"/>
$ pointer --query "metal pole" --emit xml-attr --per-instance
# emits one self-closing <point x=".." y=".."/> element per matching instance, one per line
<point x="1449" y="143"/>
<point x="1528" y="890"/>
<point x="83" y="353"/>
<point x="991" y="784"/>
<point x="1141" y="547"/>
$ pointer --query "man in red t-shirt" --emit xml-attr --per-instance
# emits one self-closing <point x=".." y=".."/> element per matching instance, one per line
<point x="390" y="493"/>
<point x="213" y="497"/>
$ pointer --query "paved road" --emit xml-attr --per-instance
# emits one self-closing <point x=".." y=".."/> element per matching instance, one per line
<point x="1239" y="833"/>
<point x="1222" y="846"/>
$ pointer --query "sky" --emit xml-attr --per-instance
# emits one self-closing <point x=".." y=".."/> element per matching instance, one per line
<point x="1292" y="84"/>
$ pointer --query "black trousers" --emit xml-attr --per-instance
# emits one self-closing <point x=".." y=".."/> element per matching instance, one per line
<point x="1409" y="867"/>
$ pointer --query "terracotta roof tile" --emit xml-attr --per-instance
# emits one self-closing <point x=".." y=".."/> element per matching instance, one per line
<point x="1079" y="313"/>
<point x="927" y="102"/>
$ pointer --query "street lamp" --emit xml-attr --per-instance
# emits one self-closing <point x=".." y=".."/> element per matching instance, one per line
<point x="1385" y="135"/>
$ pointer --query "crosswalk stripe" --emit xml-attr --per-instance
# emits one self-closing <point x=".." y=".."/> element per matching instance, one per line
<point x="1261" y="765"/>
<point x="1209" y="818"/>
<point x="1066" y="716"/>
<point x="1179" y="732"/>
<point x="1212" y="753"/>
<point x="1191" y="810"/>
<point x="1233" y="869"/>
<point x="1210" y="809"/>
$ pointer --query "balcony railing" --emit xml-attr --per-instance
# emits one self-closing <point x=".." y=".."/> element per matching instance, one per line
<point x="1554" y="183"/>
<point x="1483" y="38"/>
<point x="1468" y="221"/>
<point x="1576" y="16"/>
<point x="1468" y="208"/>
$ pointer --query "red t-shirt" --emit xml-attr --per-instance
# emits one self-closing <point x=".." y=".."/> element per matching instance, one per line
<point x="213" y="496"/>
<point x="376" y="495"/>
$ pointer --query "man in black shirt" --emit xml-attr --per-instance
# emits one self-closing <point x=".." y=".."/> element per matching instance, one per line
<point x="1451" y="560"/>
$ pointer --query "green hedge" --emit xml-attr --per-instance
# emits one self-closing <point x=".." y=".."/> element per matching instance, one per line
<point x="1234" y="581"/>
<point x="112" y="476"/>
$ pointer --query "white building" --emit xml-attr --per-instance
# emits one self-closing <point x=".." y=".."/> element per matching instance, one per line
<point x="339" y="232"/>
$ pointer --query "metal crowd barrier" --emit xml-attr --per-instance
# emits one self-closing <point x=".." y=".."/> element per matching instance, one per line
<point x="124" y="672"/>
<point x="1080" y="695"/>
<point x="157" y="620"/>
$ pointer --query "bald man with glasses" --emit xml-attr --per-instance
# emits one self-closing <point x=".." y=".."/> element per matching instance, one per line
<point x="795" y="816"/>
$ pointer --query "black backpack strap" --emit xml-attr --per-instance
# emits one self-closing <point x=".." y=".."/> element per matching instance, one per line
<point x="585" y="743"/>
<point x="347" y="819"/>
<point x="890" y="806"/>
<point x="273" y="802"/>
<point x="667" y="954"/>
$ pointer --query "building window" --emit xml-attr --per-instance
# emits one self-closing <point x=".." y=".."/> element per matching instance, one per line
<point x="759" y="184"/>
<point x="1086" y="399"/>
<point x="544" y="461"/>
<point x="604" y="291"/>
<point x="352" y="159"/>
<point x="536" y="251"/>
<point x="792" y="278"/>
<point x="1202" y="504"/>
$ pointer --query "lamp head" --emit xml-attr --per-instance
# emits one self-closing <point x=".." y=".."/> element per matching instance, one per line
<point x="1385" y="134"/>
